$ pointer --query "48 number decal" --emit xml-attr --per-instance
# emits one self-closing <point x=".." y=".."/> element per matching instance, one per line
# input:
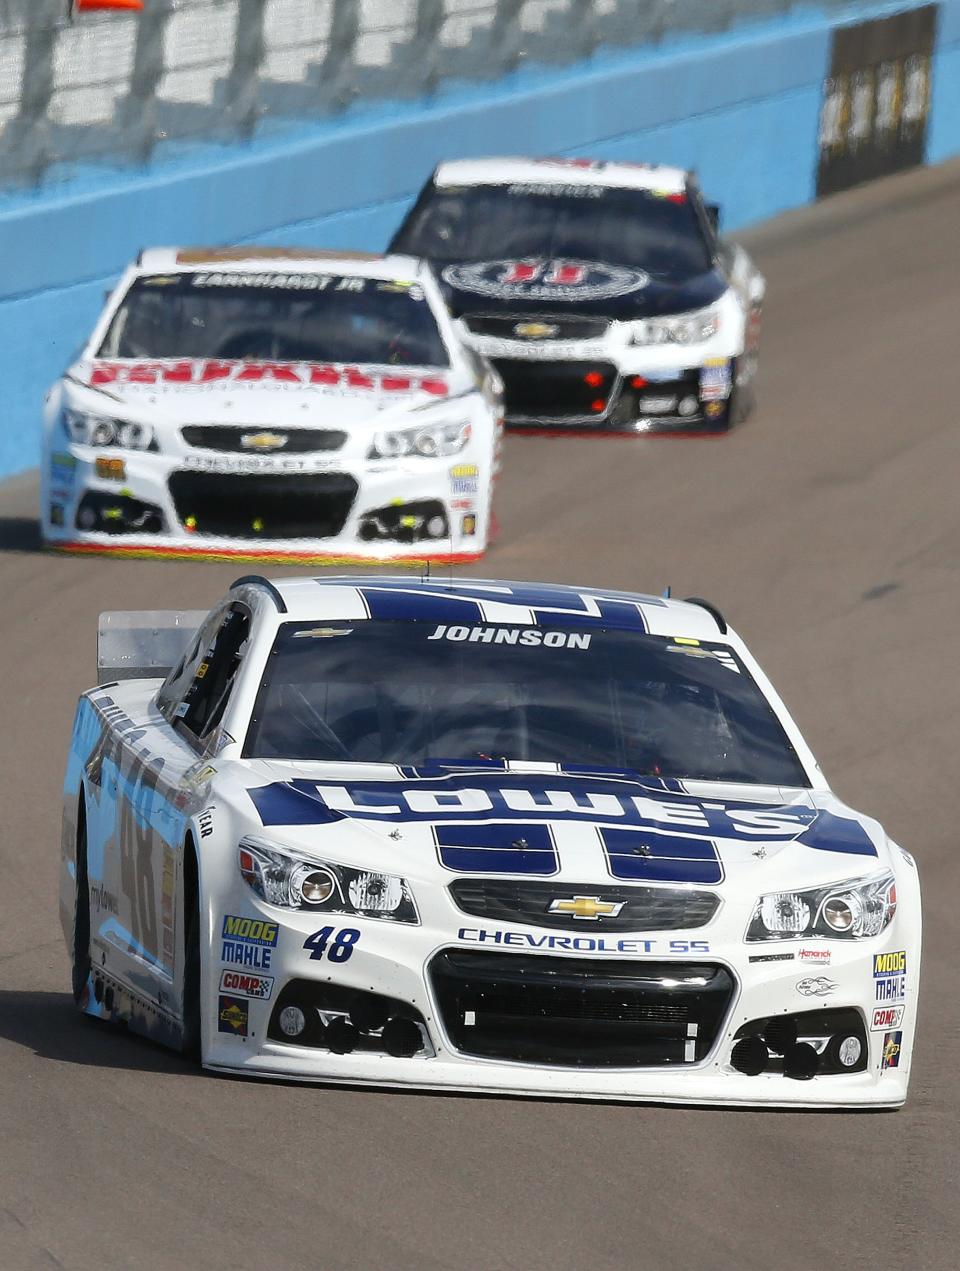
<point x="340" y="950"/>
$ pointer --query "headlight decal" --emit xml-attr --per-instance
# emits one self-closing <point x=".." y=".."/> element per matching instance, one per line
<point x="684" y="328"/>
<point x="856" y="910"/>
<point x="88" y="429"/>
<point x="425" y="441"/>
<point x="296" y="882"/>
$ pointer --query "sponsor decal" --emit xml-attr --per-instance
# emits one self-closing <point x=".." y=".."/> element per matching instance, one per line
<point x="197" y="373"/>
<point x="103" y="899"/>
<point x="56" y="514"/>
<point x="770" y="957"/>
<point x="246" y="984"/>
<point x="248" y="942"/>
<point x="885" y="1017"/>
<point x="432" y="795"/>
<point x="233" y="1016"/>
<point x="464" y="478"/>
<point x="529" y="636"/>
<point x="893" y="963"/>
<point x="890" y="976"/>
<point x="892" y="1045"/>
<point x="578" y="944"/>
<point x="715" y="379"/>
<point x="551" y="280"/>
<point x="468" y="525"/>
<point x="205" y="823"/>
<point x="713" y="410"/>
<point x="816" y="987"/>
<point x="821" y="957"/>
<point x="340" y="949"/>
<point x="250" y="930"/>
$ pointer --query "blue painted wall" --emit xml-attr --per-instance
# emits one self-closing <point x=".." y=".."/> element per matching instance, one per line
<point x="742" y="108"/>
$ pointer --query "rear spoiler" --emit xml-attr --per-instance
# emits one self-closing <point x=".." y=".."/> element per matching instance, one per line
<point x="143" y="644"/>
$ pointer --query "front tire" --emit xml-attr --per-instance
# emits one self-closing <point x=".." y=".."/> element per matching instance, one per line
<point x="80" y="971"/>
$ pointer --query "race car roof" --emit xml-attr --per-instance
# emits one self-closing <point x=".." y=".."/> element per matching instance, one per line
<point x="278" y="260"/>
<point x="472" y="601"/>
<point x="509" y="171"/>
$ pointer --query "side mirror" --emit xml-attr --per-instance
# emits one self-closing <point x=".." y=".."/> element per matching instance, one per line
<point x="713" y="215"/>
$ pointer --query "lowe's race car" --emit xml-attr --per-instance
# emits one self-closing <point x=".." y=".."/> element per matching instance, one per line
<point x="273" y="404"/>
<point x="479" y="836"/>
<point x="601" y="292"/>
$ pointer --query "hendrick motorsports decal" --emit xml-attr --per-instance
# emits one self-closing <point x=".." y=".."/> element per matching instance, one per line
<point x="545" y="279"/>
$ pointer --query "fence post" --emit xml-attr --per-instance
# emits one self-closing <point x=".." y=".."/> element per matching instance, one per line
<point x="27" y="136"/>
<point x="137" y="111"/>
<point x="336" y="74"/>
<point x="241" y="90"/>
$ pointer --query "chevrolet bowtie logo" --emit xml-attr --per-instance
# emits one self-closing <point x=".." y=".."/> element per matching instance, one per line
<point x="263" y="440"/>
<point x="586" y="907"/>
<point x="536" y="330"/>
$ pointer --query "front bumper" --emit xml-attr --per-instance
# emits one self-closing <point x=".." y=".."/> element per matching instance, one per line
<point x="683" y="1046"/>
<point x="221" y="507"/>
<point x="597" y="395"/>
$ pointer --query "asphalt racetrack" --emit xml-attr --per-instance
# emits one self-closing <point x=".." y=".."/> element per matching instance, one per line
<point x="828" y="531"/>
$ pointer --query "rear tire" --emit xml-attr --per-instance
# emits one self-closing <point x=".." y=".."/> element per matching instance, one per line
<point x="190" y="1037"/>
<point x="81" y="918"/>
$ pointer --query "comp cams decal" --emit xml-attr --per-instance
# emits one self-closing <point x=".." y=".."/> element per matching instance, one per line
<point x="246" y="984"/>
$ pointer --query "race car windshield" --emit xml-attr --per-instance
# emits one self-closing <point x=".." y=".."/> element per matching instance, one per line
<point x="639" y="229"/>
<point x="418" y="692"/>
<point x="276" y="317"/>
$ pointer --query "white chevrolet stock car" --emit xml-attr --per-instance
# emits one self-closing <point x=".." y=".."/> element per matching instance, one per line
<point x="479" y="836"/>
<point x="602" y="292"/>
<point x="274" y="404"/>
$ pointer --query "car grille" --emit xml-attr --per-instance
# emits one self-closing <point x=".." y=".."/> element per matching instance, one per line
<point x="571" y="391"/>
<point x="261" y="506"/>
<point x="230" y="438"/>
<point x="643" y="908"/>
<point x="504" y="326"/>
<point x="579" y="1013"/>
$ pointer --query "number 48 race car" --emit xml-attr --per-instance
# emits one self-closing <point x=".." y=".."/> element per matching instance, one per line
<point x="479" y="836"/>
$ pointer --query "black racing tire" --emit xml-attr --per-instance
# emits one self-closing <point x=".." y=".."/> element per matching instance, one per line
<point x="190" y="1036"/>
<point x="80" y="962"/>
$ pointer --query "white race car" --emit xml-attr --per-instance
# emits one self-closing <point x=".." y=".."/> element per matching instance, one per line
<point x="602" y="292"/>
<point x="479" y="836"/>
<point x="276" y="405"/>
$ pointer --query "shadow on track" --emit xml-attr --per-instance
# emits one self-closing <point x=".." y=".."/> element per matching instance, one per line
<point x="20" y="534"/>
<point x="51" y="1026"/>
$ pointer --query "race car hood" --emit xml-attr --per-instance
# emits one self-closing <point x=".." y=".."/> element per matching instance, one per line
<point x="579" y="825"/>
<point x="590" y="288"/>
<point x="251" y="392"/>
